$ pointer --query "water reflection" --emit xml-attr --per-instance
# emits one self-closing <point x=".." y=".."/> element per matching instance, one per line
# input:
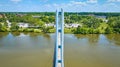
<point x="114" y="38"/>
<point x="15" y="33"/>
<point x="2" y="34"/>
<point x="47" y="36"/>
<point x="92" y="38"/>
<point x="34" y="34"/>
<point x="103" y="40"/>
<point x="26" y="33"/>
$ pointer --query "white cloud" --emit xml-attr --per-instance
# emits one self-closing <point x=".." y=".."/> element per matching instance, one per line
<point x="113" y="0"/>
<point x="16" y="1"/>
<point x="92" y="1"/>
<point x="77" y="3"/>
<point x="71" y="6"/>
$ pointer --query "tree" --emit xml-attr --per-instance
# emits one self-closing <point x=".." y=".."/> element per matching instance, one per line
<point x="39" y="23"/>
<point x="14" y="26"/>
<point x="108" y="30"/>
<point x="3" y="27"/>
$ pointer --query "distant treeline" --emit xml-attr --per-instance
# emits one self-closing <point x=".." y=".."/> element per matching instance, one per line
<point x="108" y="14"/>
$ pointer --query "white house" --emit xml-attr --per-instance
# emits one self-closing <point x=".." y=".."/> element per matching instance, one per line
<point x="23" y="25"/>
<point x="102" y="17"/>
<point x="50" y="25"/>
<point x="74" y="25"/>
<point x="35" y="16"/>
<point x="9" y="24"/>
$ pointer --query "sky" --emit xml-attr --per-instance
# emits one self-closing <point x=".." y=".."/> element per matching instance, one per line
<point x="67" y="5"/>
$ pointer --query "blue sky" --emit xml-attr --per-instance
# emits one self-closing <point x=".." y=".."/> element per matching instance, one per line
<point x="67" y="5"/>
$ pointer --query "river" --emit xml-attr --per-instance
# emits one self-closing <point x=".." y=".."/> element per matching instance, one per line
<point x="36" y="50"/>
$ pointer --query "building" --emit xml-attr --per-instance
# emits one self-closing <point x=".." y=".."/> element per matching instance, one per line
<point x="74" y="25"/>
<point x="20" y="15"/>
<point x="50" y="25"/>
<point x="23" y="25"/>
<point x="9" y="24"/>
<point x="102" y="17"/>
<point x="36" y="16"/>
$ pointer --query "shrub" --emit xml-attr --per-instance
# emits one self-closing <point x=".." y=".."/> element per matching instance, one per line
<point x="37" y="30"/>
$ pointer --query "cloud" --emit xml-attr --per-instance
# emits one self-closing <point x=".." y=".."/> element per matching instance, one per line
<point x="92" y="1"/>
<point x="77" y="3"/>
<point x="71" y="6"/>
<point x="113" y="0"/>
<point x="16" y="1"/>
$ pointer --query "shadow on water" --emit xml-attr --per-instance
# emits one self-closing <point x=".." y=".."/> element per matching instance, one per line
<point x="34" y="34"/>
<point x="92" y="38"/>
<point x="15" y="34"/>
<point x="47" y="36"/>
<point x="31" y="34"/>
<point x="2" y="34"/>
<point x="115" y="38"/>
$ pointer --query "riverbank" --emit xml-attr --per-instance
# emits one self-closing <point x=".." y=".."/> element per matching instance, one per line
<point x="66" y="30"/>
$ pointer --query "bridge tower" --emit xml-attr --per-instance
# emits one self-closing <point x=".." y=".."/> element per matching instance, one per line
<point x="59" y="45"/>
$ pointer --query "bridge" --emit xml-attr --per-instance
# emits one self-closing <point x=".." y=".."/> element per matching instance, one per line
<point x="59" y="45"/>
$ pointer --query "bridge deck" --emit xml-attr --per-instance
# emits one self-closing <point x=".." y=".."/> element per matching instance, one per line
<point x="59" y="50"/>
<point x="58" y="59"/>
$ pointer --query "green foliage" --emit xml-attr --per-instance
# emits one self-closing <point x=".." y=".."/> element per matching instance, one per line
<point x="14" y="27"/>
<point x="2" y="19"/>
<point x="114" y="22"/>
<point x="66" y="30"/>
<point x="51" y="30"/>
<point x="21" y="29"/>
<point x="108" y="30"/>
<point x="47" y="19"/>
<point x="37" y="31"/>
<point x="90" y="23"/>
<point x="80" y="30"/>
<point x="3" y="27"/>
<point x="28" y="30"/>
<point x="47" y="29"/>
<point x="39" y="23"/>
<point x="117" y="30"/>
<point x="86" y="31"/>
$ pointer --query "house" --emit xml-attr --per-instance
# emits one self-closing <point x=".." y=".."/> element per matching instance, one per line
<point x="74" y="25"/>
<point x="50" y="25"/>
<point x="102" y="17"/>
<point x="23" y="25"/>
<point x="9" y="24"/>
<point x="20" y="15"/>
<point x="36" y="16"/>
